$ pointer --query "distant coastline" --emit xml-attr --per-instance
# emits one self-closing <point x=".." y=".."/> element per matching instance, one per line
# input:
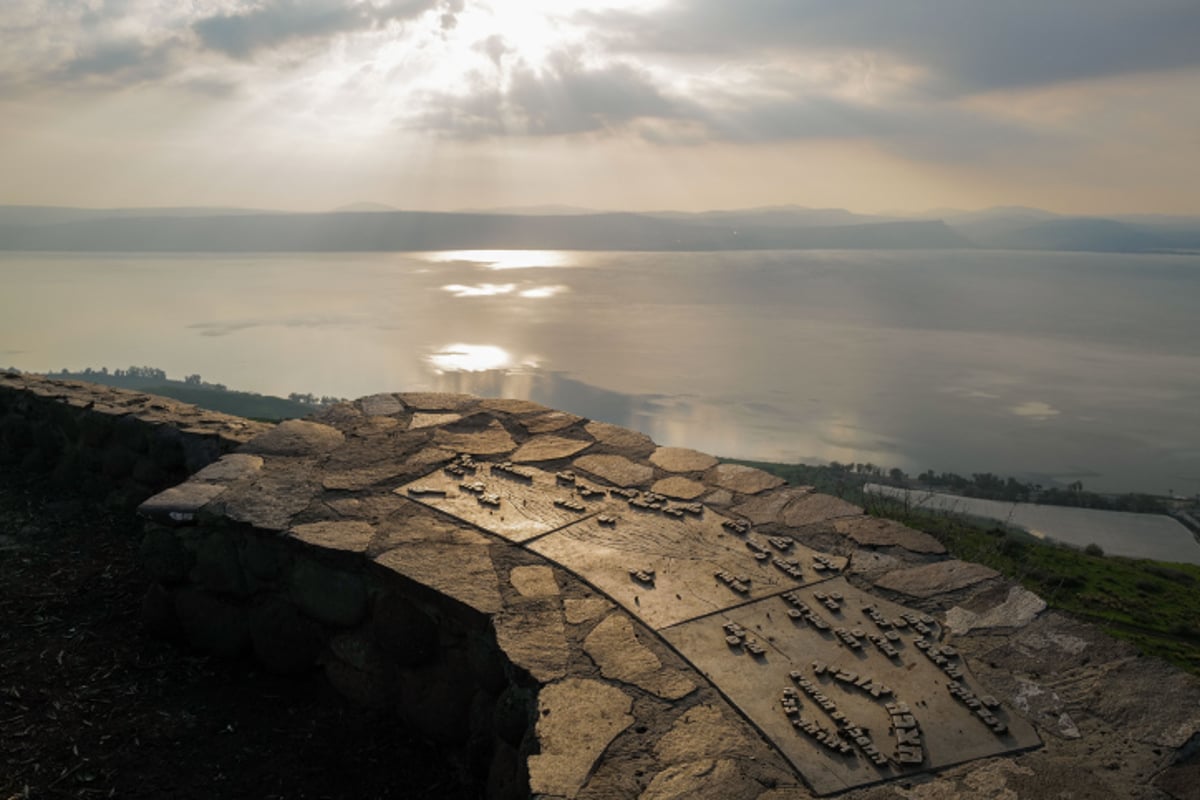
<point x="205" y="230"/>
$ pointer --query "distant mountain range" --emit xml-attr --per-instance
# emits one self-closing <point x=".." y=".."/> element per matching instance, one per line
<point x="374" y="227"/>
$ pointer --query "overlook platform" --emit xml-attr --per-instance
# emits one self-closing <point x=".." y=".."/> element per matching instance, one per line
<point x="672" y="611"/>
<point x="570" y="611"/>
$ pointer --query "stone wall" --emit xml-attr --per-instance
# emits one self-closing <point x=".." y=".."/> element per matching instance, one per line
<point x="106" y="442"/>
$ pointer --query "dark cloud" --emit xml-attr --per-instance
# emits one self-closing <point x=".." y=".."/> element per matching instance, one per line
<point x="566" y="97"/>
<point x="276" y="22"/>
<point x="965" y="46"/>
<point x="561" y="97"/>
<point x="124" y="61"/>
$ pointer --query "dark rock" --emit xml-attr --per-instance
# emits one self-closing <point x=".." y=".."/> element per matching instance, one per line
<point x="212" y="624"/>
<point x="284" y="641"/>
<point x="163" y="556"/>
<point x="158" y="612"/>
<point x="328" y="595"/>
<point x="403" y="631"/>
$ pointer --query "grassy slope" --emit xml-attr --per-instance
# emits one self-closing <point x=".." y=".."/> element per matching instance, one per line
<point x="1155" y="605"/>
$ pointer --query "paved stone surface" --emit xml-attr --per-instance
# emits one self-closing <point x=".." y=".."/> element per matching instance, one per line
<point x="1018" y="609"/>
<point x="492" y="440"/>
<point x="181" y="503"/>
<point x="534" y="638"/>
<point x="617" y="470"/>
<point x="232" y="467"/>
<point x="679" y="488"/>
<point x="876" y="532"/>
<point x="629" y="442"/>
<point x="615" y="648"/>
<point x="704" y="778"/>
<point x="681" y="459"/>
<point x="550" y="422"/>
<point x="423" y="419"/>
<point x="701" y="732"/>
<point x="582" y="610"/>
<point x="857" y="680"/>
<point x="621" y="595"/>
<point x="347" y="536"/>
<point x="568" y="564"/>
<point x="816" y="508"/>
<point x="534" y="581"/>
<point x="768" y="507"/>
<point x="937" y="578"/>
<point x="548" y="448"/>
<point x="464" y="572"/>
<point x="742" y="479"/>
<point x="576" y="720"/>
<point x="294" y="437"/>
<point x="436" y="401"/>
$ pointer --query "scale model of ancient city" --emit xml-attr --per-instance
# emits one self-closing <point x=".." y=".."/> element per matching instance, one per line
<point x="852" y="689"/>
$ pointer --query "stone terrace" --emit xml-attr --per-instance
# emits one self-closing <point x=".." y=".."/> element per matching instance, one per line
<point x="589" y="615"/>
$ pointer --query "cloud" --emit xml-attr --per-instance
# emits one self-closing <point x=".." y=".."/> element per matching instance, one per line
<point x="962" y="47"/>
<point x="125" y="61"/>
<point x="563" y="96"/>
<point x="276" y="22"/>
<point x="566" y="96"/>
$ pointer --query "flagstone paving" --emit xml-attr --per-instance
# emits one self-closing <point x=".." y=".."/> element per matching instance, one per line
<point x="629" y="557"/>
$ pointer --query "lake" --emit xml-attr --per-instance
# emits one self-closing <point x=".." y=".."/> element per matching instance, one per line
<point x="1044" y="366"/>
<point x="1121" y="533"/>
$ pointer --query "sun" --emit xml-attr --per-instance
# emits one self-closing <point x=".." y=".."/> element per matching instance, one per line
<point x="494" y="37"/>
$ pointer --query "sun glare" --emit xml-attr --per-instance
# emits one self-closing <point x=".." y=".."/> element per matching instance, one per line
<point x="504" y="259"/>
<point x="470" y="358"/>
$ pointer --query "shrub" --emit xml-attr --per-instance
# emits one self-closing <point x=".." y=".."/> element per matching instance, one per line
<point x="1094" y="549"/>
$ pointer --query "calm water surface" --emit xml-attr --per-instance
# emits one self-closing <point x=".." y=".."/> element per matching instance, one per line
<point x="1047" y="366"/>
<point x="1154" y="536"/>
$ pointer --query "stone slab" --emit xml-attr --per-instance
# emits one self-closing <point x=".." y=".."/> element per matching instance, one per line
<point x="949" y="732"/>
<point x="876" y="532"/>
<point x="424" y="419"/>
<point x="232" y="467"/>
<point x="550" y="422"/>
<point x="615" y="648"/>
<point x="548" y="448"/>
<point x="768" y="506"/>
<point x="488" y="441"/>
<point x="380" y="405"/>
<point x="345" y="535"/>
<point x="577" y="718"/>
<point x="814" y="509"/>
<point x="617" y="470"/>
<point x="522" y="510"/>
<point x="463" y="572"/>
<point x="742" y="479"/>
<point x="679" y="487"/>
<point x="179" y="504"/>
<point x="437" y="401"/>
<point x="1018" y="609"/>
<point x="534" y="581"/>
<point x="684" y="554"/>
<point x="296" y="437"/>
<point x="584" y="609"/>
<point x="940" y="577"/>
<point x="623" y="440"/>
<point x="681" y="459"/>
<point x="533" y="637"/>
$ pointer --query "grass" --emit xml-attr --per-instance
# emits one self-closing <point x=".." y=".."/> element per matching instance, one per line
<point x="1154" y="605"/>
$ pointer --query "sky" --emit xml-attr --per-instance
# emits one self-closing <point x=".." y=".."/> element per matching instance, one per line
<point x="1077" y="106"/>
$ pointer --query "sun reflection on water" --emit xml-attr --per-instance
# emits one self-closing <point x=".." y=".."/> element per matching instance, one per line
<point x="504" y="259"/>
<point x="461" y="357"/>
